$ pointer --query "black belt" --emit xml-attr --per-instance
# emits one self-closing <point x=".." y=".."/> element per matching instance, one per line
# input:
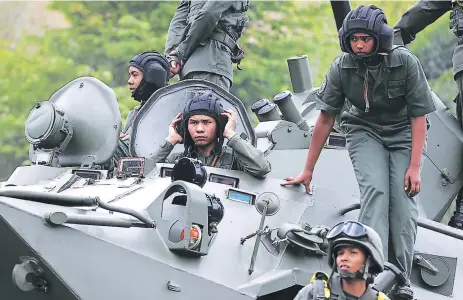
<point x="224" y="39"/>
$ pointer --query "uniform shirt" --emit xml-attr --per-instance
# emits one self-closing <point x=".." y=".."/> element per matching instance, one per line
<point x="337" y="293"/>
<point x="420" y="15"/>
<point x="192" y="25"/>
<point x="236" y="155"/>
<point x="399" y="91"/>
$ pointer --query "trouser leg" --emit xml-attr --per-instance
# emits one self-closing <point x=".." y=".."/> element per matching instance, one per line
<point x="220" y="80"/>
<point x="403" y="212"/>
<point x="403" y="209"/>
<point x="371" y="165"/>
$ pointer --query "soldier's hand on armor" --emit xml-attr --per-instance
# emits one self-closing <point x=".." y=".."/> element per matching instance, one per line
<point x="174" y="136"/>
<point x="304" y="178"/>
<point x="229" y="130"/>
<point x="413" y="181"/>
<point x="124" y="137"/>
<point x="175" y="64"/>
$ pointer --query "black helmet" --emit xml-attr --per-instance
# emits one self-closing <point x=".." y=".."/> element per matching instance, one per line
<point x="203" y="103"/>
<point x="156" y="73"/>
<point x="367" y="19"/>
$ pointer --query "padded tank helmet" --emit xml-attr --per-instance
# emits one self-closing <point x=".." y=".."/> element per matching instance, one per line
<point x="348" y="234"/>
<point x="156" y="71"/>
<point x="367" y="19"/>
<point x="203" y="103"/>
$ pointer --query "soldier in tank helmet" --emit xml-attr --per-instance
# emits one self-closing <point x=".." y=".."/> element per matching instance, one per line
<point x="355" y="255"/>
<point x="148" y="72"/>
<point x="385" y="127"/>
<point x="423" y="13"/>
<point x="202" y="127"/>
<point x="202" y="40"/>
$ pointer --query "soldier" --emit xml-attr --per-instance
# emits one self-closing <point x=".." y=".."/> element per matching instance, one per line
<point x="354" y="255"/>
<point x="148" y="72"/>
<point x="424" y="13"/>
<point x="202" y="40"/>
<point x="385" y="127"/>
<point x="202" y="127"/>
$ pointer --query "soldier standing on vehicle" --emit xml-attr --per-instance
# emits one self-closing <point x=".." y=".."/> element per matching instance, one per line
<point x="423" y="13"/>
<point x="385" y="127"/>
<point x="202" y="40"/>
<point x="355" y="255"/>
<point x="202" y="127"/>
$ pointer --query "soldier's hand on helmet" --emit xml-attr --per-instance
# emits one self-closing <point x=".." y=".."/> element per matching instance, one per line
<point x="304" y="178"/>
<point x="229" y="130"/>
<point x="413" y="181"/>
<point x="174" y="136"/>
<point x="124" y="137"/>
<point x="175" y="63"/>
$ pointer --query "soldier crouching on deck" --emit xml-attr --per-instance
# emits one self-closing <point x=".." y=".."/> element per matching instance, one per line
<point x="203" y="126"/>
<point x="203" y="40"/>
<point x="355" y="255"/>
<point x="385" y="127"/>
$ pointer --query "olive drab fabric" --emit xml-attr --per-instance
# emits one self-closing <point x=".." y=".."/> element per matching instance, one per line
<point x="379" y="141"/>
<point x="424" y="13"/>
<point x="236" y="155"/>
<point x="335" y="291"/>
<point x="204" y="33"/>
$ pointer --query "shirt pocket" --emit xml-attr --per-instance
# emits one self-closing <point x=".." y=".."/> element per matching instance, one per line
<point x="396" y="88"/>
<point x="396" y="93"/>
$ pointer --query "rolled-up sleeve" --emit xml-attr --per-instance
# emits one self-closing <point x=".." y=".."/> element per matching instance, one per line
<point x="418" y="93"/>
<point x="330" y="97"/>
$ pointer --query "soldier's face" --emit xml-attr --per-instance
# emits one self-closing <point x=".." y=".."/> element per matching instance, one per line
<point x="350" y="259"/>
<point x="362" y="43"/>
<point x="202" y="130"/>
<point x="135" y="77"/>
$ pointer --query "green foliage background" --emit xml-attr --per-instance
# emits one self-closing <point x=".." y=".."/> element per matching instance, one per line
<point x="103" y="36"/>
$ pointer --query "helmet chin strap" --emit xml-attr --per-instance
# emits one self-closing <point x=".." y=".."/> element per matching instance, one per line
<point x="363" y="273"/>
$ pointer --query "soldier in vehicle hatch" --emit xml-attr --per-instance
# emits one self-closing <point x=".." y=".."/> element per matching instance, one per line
<point x="202" y="40"/>
<point x="355" y="255"/>
<point x="202" y="127"/>
<point x="423" y="13"/>
<point x="385" y="127"/>
<point x="148" y="72"/>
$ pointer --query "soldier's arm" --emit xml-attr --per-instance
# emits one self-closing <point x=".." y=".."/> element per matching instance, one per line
<point x="177" y="26"/>
<point x="161" y="154"/>
<point x="201" y="27"/>
<point x="251" y="159"/>
<point x="420" y="15"/>
<point x="419" y="103"/>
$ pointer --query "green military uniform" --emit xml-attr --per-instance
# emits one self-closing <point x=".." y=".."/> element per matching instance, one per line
<point x="379" y="141"/>
<point x="236" y="155"/>
<point x="205" y="33"/>
<point x="421" y="15"/>
<point x="337" y="293"/>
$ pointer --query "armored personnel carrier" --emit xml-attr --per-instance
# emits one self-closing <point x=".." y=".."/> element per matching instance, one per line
<point x="74" y="225"/>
